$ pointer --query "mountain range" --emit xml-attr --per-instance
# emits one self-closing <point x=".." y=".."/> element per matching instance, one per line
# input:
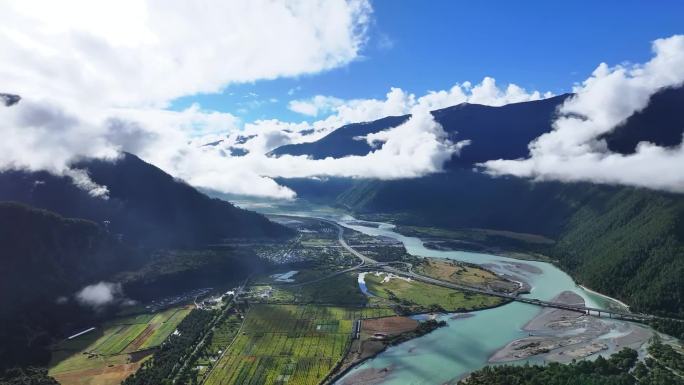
<point x="504" y="132"/>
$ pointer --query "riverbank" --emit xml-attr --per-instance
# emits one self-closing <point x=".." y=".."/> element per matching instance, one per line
<point x="617" y="301"/>
<point x="521" y="246"/>
<point x="376" y="335"/>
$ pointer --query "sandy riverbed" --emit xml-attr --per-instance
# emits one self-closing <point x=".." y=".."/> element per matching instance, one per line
<point x="562" y="335"/>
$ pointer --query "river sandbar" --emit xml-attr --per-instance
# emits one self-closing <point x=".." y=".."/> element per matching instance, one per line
<point x="563" y="335"/>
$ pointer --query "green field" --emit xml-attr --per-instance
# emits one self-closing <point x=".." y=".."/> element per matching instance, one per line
<point x="340" y="290"/>
<point x="421" y="297"/>
<point x="289" y="344"/>
<point x="464" y="274"/>
<point x="121" y="336"/>
<point x="104" y="355"/>
<point x="164" y="327"/>
<point x="221" y="337"/>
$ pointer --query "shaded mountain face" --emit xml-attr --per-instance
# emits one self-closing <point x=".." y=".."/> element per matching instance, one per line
<point x="494" y="131"/>
<point x="9" y="99"/>
<point x="146" y="206"/>
<point x="41" y="251"/>
<point x="661" y="123"/>
<point x="44" y="256"/>
<point x="505" y="132"/>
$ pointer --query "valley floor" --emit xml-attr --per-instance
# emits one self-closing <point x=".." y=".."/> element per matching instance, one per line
<point x="316" y="315"/>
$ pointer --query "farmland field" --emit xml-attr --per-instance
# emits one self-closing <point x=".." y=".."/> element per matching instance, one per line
<point x="163" y="327"/>
<point x="288" y="344"/>
<point x="340" y="290"/>
<point x="110" y="353"/>
<point x="419" y="296"/>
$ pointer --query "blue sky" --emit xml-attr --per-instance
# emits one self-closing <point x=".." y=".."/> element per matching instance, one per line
<point x="420" y="46"/>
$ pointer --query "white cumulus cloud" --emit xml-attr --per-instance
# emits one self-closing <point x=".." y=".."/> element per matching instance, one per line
<point x="95" y="80"/>
<point x="100" y="294"/>
<point x="316" y="105"/>
<point x="573" y="151"/>
<point x="135" y="52"/>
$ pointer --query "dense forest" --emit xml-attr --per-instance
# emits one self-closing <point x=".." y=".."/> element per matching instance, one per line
<point x="662" y="367"/>
<point x="45" y="257"/>
<point x="27" y="376"/>
<point x="629" y="244"/>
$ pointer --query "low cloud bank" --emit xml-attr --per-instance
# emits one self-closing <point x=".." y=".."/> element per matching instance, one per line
<point x="95" y="79"/>
<point x="49" y="134"/>
<point x="573" y="151"/>
<point x="40" y="135"/>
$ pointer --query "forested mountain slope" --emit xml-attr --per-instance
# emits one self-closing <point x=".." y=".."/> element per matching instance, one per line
<point x="44" y="256"/>
<point x="146" y="206"/>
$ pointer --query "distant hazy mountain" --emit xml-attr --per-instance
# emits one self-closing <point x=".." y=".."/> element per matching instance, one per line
<point x="9" y="99"/>
<point x="346" y="140"/>
<point x="146" y="206"/>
